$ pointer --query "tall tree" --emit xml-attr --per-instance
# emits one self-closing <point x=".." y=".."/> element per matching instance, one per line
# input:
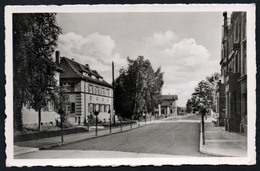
<point x="35" y="37"/>
<point x="137" y="87"/>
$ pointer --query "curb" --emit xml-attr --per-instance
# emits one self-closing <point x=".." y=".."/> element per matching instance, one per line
<point x="67" y="143"/>
<point x="27" y="151"/>
<point x="202" y="150"/>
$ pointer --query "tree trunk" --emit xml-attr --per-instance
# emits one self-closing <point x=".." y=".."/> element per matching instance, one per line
<point x="39" y="119"/>
<point x="18" y="119"/>
<point x="203" y="129"/>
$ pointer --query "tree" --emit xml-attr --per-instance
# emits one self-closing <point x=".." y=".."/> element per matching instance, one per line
<point x="137" y="88"/>
<point x="189" y="106"/>
<point x="203" y="98"/>
<point x="204" y="94"/>
<point x="35" y="37"/>
<point x="60" y="99"/>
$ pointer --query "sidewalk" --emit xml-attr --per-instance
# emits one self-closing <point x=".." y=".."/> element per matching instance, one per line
<point x="219" y="142"/>
<point x="47" y="143"/>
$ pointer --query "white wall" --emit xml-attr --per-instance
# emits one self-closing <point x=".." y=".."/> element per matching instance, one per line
<point x="30" y="117"/>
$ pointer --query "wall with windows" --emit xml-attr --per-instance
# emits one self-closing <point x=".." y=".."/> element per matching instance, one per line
<point x="233" y="68"/>
<point x="85" y="98"/>
<point x="101" y="103"/>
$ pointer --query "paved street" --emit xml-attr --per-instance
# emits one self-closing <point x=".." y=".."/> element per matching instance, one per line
<point x="166" y="138"/>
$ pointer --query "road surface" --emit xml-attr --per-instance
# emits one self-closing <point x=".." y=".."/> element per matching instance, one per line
<point x="172" y="137"/>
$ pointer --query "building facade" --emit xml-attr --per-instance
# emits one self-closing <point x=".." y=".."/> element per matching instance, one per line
<point x="168" y="105"/>
<point x="87" y="91"/>
<point x="232" y="90"/>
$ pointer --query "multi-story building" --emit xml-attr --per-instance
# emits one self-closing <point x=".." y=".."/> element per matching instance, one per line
<point x="168" y="105"/>
<point x="233" y="83"/>
<point x="87" y="91"/>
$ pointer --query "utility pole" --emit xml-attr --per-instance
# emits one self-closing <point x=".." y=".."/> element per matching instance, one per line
<point x="113" y="84"/>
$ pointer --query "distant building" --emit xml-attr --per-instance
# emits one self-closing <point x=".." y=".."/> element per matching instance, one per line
<point x="87" y="91"/>
<point x="233" y="85"/>
<point x="168" y="105"/>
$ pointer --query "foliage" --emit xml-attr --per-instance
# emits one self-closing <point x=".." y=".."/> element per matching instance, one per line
<point x="204" y="94"/>
<point x="137" y="88"/>
<point x="189" y="106"/>
<point x="34" y="40"/>
<point x="61" y="100"/>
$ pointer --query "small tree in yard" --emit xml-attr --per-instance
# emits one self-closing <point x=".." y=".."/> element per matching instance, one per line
<point x="60" y="101"/>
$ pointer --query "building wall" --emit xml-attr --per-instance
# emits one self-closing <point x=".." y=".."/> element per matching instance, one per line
<point x="30" y="117"/>
<point x="233" y="71"/>
<point x="174" y="107"/>
<point x="221" y="104"/>
<point x="86" y="100"/>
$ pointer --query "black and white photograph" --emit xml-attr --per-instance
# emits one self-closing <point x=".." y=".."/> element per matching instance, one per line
<point x="111" y="85"/>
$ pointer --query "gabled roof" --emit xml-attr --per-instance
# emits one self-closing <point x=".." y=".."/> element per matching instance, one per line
<point x="73" y="69"/>
<point x="169" y="97"/>
<point x="166" y="100"/>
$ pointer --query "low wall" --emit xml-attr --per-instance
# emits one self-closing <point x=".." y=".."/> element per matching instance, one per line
<point x="40" y="135"/>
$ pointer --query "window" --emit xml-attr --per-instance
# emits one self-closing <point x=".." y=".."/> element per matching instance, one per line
<point x="68" y="108"/>
<point x="96" y="90"/>
<point x="243" y="28"/>
<point x="49" y="107"/>
<point x="243" y="63"/>
<point x="108" y="108"/>
<point x="90" y="107"/>
<point x="102" y="92"/>
<point x="85" y="74"/>
<point x="72" y="107"/>
<point x="107" y="92"/>
<point x="90" y="89"/>
<point x="102" y="108"/>
<point x="97" y="107"/>
<point x="71" y="88"/>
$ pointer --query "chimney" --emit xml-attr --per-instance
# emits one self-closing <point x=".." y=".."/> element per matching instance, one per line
<point x="72" y="59"/>
<point x="57" y="55"/>
<point x="86" y="65"/>
<point x="225" y="23"/>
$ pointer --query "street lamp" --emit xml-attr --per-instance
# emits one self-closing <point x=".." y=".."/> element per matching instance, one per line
<point x="96" y="114"/>
<point x="109" y="111"/>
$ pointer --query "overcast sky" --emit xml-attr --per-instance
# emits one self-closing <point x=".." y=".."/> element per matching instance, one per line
<point x="186" y="46"/>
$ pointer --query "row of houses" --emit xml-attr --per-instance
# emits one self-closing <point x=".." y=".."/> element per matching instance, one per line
<point x="232" y="88"/>
<point x="87" y="92"/>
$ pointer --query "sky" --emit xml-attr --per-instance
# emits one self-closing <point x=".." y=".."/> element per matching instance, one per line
<point x="186" y="45"/>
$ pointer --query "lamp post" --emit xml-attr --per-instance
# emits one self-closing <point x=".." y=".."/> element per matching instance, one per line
<point x="110" y="127"/>
<point x="61" y="113"/>
<point x="121" y="126"/>
<point x="96" y="114"/>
